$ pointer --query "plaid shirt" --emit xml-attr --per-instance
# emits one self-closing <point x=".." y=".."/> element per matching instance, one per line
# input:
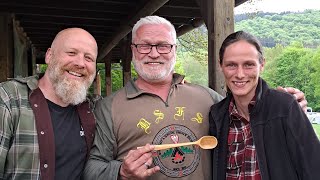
<point x="242" y="160"/>
<point x="25" y="127"/>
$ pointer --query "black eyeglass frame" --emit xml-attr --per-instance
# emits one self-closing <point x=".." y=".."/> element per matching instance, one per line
<point x="153" y="45"/>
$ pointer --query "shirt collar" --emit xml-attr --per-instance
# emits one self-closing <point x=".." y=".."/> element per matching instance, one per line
<point x="233" y="112"/>
<point x="133" y="91"/>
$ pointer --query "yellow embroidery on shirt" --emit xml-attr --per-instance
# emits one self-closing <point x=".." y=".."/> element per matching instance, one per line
<point x="199" y="118"/>
<point x="159" y="115"/>
<point x="180" y="113"/>
<point x="144" y="124"/>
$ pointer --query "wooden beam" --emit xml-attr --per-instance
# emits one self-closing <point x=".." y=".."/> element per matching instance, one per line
<point x="219" y="19"/>
<point x="239" y="2"/>
<point x="179" y="12"/>
<point x="34" y="62"/>
<point x="6" y="46"/>
<point x="97" y="84"/>
<point x="107" y="62"/>
<point x="81" y="6"/>
<point x="149" y="8"/>
<point x="195" y="23"/>
<point x="126" y="59"/>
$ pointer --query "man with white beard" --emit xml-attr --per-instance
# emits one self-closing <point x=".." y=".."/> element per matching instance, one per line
<point x="46" y="124"/>
<point x="156" y="108"/>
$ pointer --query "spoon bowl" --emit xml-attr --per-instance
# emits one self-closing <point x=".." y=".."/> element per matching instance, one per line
<point x="205" y="142"/>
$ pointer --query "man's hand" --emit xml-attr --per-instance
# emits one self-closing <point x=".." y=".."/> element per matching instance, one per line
<point x="136" y="165"/>
<point x="299" y="95"/>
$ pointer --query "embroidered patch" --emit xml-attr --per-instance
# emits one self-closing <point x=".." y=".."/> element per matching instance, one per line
<point x="179" y="161"/>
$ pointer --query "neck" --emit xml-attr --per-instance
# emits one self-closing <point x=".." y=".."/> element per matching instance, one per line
<point x="161" y="88"/>
<point x="242" y="106"/>
<point x="48" y="91"/>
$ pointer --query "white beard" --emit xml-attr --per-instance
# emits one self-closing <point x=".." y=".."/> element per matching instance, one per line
<point x="156" y="74"/>
<point x="69" y="91"/>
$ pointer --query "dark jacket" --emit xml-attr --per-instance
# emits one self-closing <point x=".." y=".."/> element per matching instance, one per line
<point x="286" y="144"/>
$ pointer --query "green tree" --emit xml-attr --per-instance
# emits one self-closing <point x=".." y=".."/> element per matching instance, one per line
<point x="194" y="71"/>
<point x="270" y="68"/>
<point x="315" y="79"/>
<point x="287" y="73"/>
<point x="196" y="42"/>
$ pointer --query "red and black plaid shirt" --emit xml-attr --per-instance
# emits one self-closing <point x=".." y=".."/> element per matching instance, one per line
<point x="242" y="157"/>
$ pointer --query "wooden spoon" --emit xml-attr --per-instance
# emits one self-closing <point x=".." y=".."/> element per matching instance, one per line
<point x="206" y="142"/>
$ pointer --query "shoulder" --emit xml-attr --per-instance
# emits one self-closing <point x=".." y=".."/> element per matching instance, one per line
<point x="279" y="97"/>
<point x="222" y="105"/>
<point x="216" y="97"/>
<point x="277" y="102"/>
<point x="21" y="83"/>
<point x="13" y="89"/>
<point x="105" y="103"/>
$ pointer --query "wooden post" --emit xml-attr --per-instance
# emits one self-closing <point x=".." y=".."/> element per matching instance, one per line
<point x="107" y="62"/>
<point x="6" y="46"/>
<point x="34" y="63"/>
<point x="219" y="18"/>
<point x="22" y="51"/>
<point x="126" y="59"/>
<point x="97" y="84"/>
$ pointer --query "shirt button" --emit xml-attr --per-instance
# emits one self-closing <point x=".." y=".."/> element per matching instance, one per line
<point x="88" y="112"/>
<point x="45" y="165"/>
<point x="42" y="132"/>
<point x="35" y="105"/>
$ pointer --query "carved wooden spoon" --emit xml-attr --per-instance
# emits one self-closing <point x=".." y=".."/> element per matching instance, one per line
<point x="205" y="142"/>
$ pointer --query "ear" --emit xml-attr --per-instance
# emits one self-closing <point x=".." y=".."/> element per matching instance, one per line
<point x="220" y="66"/>
<point x="262" y="64"/>
<point x="48" y="56"/>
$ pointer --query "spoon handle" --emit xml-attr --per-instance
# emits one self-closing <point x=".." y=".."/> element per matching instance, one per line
<point x="167" y="146"/>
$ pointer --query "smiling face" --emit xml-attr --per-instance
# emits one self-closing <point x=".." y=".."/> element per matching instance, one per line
<point x="72" y="64"/>
<point x="154" y="67"/>
<point x="241" y="68"/>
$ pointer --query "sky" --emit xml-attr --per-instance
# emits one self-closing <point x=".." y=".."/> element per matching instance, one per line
<point x="278" y="6"/>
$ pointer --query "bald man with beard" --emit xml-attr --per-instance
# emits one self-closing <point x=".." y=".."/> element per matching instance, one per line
<point x="46" y="124"/>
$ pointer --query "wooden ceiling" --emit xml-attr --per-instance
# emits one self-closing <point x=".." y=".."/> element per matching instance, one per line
<point x="108" y="21"/>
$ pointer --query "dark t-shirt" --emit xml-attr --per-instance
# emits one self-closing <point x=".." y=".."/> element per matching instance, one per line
<point x="70" y="144"/>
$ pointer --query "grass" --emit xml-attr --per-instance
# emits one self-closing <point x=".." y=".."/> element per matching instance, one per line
<point x="316" y="128"/>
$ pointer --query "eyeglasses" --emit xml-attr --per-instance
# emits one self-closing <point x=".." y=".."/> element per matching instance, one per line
<point x="161" y="48"/>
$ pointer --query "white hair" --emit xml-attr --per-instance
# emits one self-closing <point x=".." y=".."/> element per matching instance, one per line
<point x="154" y="20"/>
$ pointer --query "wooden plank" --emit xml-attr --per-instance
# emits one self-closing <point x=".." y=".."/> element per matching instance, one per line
<point x="195" y="23"/>
<point x="22" y="55"/>
<point x="126" y="59"/>
<point x="222" y="24"/>
<point x="107" y="62"/>
<point x="148" y="8"/>
<point x="219" y="19"/>
<point x="97" y="84"/>
<point x="6" y="47"/>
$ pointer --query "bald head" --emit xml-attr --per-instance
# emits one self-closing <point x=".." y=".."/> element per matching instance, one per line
<point x="71" y="68"/>
<point x="74" y="34"/>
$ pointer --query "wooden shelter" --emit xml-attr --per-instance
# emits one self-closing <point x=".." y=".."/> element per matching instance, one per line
<point x="27" y="29"/>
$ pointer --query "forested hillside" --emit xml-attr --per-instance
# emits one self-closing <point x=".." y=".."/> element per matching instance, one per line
<point x="283" y="28"/>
